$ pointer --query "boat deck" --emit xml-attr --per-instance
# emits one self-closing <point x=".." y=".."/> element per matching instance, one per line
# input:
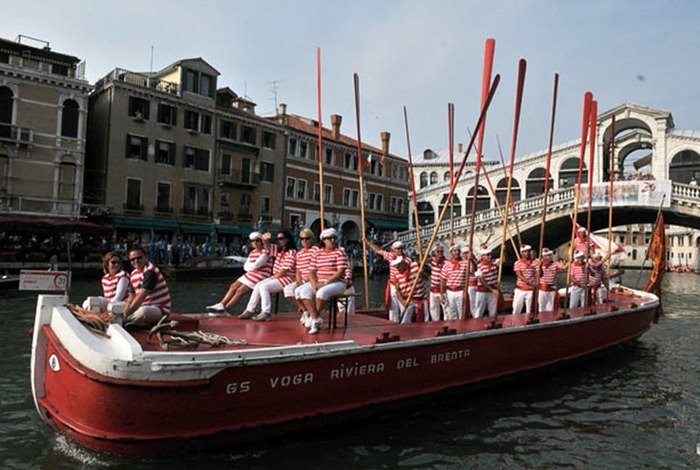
<point x="364" y="329"/>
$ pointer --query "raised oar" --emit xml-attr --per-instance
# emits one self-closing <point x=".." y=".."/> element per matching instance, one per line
<point x="511" y="200"/>
<point x="484" y="109"/>
<point x="522" y="68"/>
<point x="360" y="164"/>
<point x="543" y="224"/>
<point x="451" y="139"/>
<point x="610" y="201"/>
<point x="587" y="99"/>
<point x="592" y="128"/>
<point x="320" y="137"/>
<point x="413" y="184"/>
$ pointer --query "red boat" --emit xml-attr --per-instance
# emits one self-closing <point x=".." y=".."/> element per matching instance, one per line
<point x="125" y="395"/>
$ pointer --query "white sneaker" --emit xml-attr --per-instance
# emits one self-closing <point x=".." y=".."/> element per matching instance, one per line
<point x="246" y="315"/>
<point x="316" y="326"/>
<point x="218" y="307"/>
<point x="221" y="313"/>
<point x="304" y="318"/>
<point x="262" y="316"/>
<point x="308" y="322"/>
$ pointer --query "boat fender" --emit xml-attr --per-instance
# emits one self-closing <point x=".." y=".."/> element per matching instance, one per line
<point x="386" y="337"/>
<point x="446" y="331"/>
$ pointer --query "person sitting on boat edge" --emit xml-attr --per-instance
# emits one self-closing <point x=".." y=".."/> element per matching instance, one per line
<point x="406" y="273"/>
<point x="453" y="280"/>
<point x="525" y="270"/>
<point x="257" y="268"/>
<point x="149" y="297"/>
<point x="487" y="284"/>
<point x="392" y="302"/>
<point x="115" y="283"/>
<point x="282" y="280"/>
<point x="546" y="299"/>
<point x="303" y="261"/>
<point x="326" y="275"/>
<point x="437" y="261"/>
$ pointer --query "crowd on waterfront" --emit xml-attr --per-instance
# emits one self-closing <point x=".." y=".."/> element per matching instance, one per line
<point x="461" y="285"/>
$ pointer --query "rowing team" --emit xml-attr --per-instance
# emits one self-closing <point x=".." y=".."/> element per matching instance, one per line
<point x="465" y="285"/>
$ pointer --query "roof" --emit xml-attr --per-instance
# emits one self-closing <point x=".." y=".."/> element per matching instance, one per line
<point x="309" y="126"/>
<point x="39" y="53"/>
<point x="181" y="62"/>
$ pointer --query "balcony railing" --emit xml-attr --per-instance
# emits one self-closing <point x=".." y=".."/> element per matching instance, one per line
<point x="163" y="209"/>
<point x="138" y="79"/>
<point x="224" y="215"/>
<point x="131" y="206"/>
<point x="239" y="178"/>
<point x="245" y="217"/>
<point x="196" y="212"/>
<point x="16" y="134"/>
<point x="37" y="206"/>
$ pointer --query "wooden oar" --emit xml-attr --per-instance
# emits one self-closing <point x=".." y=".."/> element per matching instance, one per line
<point x="413" y="186"/>
<point x="610" y="202"/>
<point x="451" y="139"/>
<point x="360" y="164"/>
<point x="592" y="144"/>
<point x="320" y="138"/>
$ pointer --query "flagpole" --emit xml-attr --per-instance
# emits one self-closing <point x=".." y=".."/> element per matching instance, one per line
<point x="413" y="185"/>
<point x="522" y="68"/>
<point x="360" y="164"/>
<point x="610" y="201"/>
<point x="592" y="128"/>
<point x="320" y="138"/>
<point x="587" y="99"/>
<point x="543" y="224"/>
<point x="445" y="207"/>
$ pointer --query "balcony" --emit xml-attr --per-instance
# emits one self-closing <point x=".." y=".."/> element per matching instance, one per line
<point x="162" y="209"/>
<point x="238" y="178"/>
<point x="138" y="79"/>
<point x="199" y="212"/>
<point x="266" y="218"/>
<point x="224" y="216"/>
<point x="245" y="217"/>
<point x="133" y="207"/>
<point x="16" y="134"/>
<point x="10" y="203"/>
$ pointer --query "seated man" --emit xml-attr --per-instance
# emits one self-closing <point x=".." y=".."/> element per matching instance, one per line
<point x="149" y="298"/>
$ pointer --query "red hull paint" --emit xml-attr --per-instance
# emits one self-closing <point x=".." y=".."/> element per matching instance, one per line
<point x="134" y="417"/>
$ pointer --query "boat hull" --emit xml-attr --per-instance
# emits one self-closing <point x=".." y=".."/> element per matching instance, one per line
<point x="243" y="399"/>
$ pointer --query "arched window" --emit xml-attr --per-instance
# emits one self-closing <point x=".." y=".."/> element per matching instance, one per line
<point x="426" y="214"/>
<point x="423" y="179"/>
<point x="568" y="173"/>
<point x="502" y="191"/>
<point x="534" y="185"/>
<point x="6" y="104"/>
<point x="66" y="179"/>
<point x="457" y="204"/>
<point x="685" y="166"/>
<point x="483" y="201"/>
<point x="446" y="177"/>
<point x="433" y="177"/>
<point x="69" y="124"/>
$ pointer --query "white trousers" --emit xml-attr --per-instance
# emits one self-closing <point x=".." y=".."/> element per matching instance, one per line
<point x="545" y="301"/>
<point x="435" y="307"/>
<point x="454" y="300"/>
<point x="351" y="301"/>
<point x="394" y="304"/>
<point x="485" y="301"/>
<point x="577" y="297"/>
<point x="471" y="290"/>
<point x="522" y="298"/>
<point x="262" y="294"/>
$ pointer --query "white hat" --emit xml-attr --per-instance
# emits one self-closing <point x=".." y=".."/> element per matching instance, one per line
<point x="484" y="250"/>
<point x="581" y="229"/>
<point x="547" y="252"/>
<point x="525" y="248"/>
<point x="255" y="236"/>
<point x="597" y="254"/>
<point x="579" y="254"/>
<point x="466" y="249"/>
<point x="397" y="244"/>
<point x="329" y="232"/>
<point x="397" y="261"/>
<point x="456" y="246"/>
<point x="438" y="246"/>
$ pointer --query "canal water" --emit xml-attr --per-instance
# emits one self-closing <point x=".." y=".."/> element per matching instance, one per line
<point x="635" y="407"/>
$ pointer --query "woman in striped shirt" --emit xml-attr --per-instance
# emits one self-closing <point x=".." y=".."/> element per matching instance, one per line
<point x="257" y="268"/>
<point x="327" y="274"/>
<point x="283" y="279"/>
<point x="303" y="262"/>
<point x="115" y="283"/>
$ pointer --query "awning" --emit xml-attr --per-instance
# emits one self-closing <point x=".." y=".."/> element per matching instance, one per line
<point x="381" y="224"/>
<point x="195" y="228"/>
<point x="228" y="230"/>
<point x="144" y="224"/>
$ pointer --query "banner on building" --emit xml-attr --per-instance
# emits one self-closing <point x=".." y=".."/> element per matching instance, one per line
<point x="654" y="193"/>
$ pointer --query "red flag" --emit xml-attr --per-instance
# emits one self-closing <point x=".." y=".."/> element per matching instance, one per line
<point x="657" y="253"/>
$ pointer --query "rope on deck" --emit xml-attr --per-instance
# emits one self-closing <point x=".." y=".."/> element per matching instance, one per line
<point x="186" y="339"/>
<point x="95" y="322"/>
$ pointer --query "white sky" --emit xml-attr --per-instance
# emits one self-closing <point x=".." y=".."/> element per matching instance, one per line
<point x="420" y="54"/>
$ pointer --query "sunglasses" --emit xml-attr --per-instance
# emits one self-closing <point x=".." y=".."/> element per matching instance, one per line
<point x="256" y="240"/>
<point x="305" y="238"/>
<point x="115" y="261"/>
<point x="281" y="238"/>
<point x="135" y="258"/>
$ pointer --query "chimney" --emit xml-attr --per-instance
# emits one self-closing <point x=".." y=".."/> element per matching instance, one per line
<point x="385" y="142"/>
<point x="459" y="148"/>
<point x="336" y="119"/>
<point x="282" y="109"/>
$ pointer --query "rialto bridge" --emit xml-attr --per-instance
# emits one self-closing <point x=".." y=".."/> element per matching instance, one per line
<point x="654" y="162"/>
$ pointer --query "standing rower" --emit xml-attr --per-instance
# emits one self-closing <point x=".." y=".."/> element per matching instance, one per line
<point x="406" y="273"/>
<point x="548" y="280"/>
<point x="453" y="279"/>
<point x="580" y="281"/>
<point x="437" y="261"/>
<point x="468" y="256"/>
<point x="526" y="272"/>
<point x="487" y="284"/>
<point x="396" y="250"/>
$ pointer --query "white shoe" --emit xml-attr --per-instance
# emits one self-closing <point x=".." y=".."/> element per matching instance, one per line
<point x="262" y="316"/>
<point x="304" y="318"/>
<point x="308" y="322"/>
<point x="220" y="313"/>
<point x="316" y="326"/>
<point x="218" y="307"/>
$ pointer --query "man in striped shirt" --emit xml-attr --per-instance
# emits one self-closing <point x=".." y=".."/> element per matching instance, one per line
<point x="468" y="256"/>
<point x="396" y="251"/>
<point x="577" y="296"/>
<point x="453" y="278"/>
<point x="548" y="280"/>
<point x="437" y="261"/>
<point x="526" y="273"/>
<point x="407" y="272"/>
<point x="303" y="262"/>
<point x="149" y="297"/>
<point x="487" y="284"/>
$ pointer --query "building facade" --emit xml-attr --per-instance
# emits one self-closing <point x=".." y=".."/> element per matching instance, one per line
<point x="43" y="117"/>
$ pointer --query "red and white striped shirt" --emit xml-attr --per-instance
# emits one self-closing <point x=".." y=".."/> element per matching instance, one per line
<point x="436" y="265"/>
<point x="109" y="285"/>
<point x="285" y="260"/>
<point x="548" y="278"/>
<point x="528" y="269"/>
<point x="263" y="272"/>
<point x="160" y="295"/>
<point x="454" y="273"/>
<point x="391" y="256"/>
<point x="487" y="275"/>
<point x="327" y="263"/>
<point x="581" y="244"/>
<point x="303" y="261"/>
<point x="578" y="273"/>
<point x="597" y="275"/>
<point x="406" y="279"/>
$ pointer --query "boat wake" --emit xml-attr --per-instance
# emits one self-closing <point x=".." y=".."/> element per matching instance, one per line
<point x="75" y="452"/>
